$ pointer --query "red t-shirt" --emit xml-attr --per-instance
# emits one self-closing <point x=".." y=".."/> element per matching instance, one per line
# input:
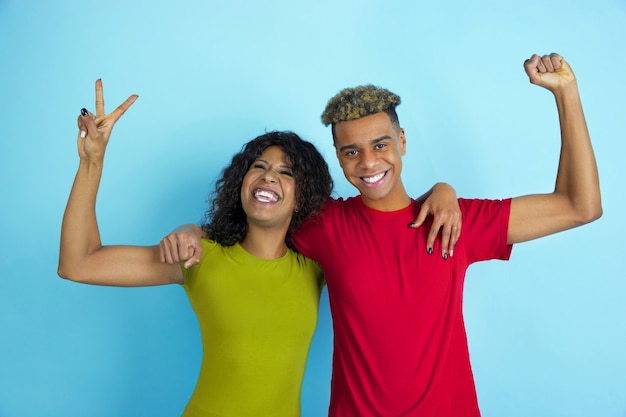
<point x="400" y="347"/>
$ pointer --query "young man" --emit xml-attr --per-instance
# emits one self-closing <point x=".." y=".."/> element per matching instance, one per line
<point x="400" y="347"/>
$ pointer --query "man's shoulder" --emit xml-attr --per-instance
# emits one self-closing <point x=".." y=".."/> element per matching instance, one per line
<point x="333" y="208"/>
<point x="480" y="214"/>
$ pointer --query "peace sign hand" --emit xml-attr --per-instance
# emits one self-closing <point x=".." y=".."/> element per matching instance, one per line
<point x="94" y="131"/>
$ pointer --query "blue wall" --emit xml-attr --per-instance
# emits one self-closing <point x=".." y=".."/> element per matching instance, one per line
<point x="547" y="330"/>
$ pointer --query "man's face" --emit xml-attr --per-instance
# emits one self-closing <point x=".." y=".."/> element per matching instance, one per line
<point x="370" y="152"/>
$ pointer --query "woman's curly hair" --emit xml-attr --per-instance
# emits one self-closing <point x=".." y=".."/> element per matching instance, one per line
<point x="225" y="220"/>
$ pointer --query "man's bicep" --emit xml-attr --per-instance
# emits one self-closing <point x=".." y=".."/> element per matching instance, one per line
<point x="537" y="215"/>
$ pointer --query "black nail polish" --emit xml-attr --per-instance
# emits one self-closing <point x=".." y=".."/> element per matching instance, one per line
<point x="430" y="251"/>
<point x="84" y="112"/>
<point x="445" y="256"/>
<point x="411" y="224"/>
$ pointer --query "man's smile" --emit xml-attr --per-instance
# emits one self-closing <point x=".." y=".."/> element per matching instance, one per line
<point x="372" y="180"/>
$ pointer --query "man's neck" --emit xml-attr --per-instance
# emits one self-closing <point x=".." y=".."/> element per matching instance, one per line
<point x="398" y="199"/>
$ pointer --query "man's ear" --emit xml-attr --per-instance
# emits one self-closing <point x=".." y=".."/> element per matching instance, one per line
<point x="402" y="139"/>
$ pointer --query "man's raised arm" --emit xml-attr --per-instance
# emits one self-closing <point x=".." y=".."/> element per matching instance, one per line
<point x="576" y="197"/>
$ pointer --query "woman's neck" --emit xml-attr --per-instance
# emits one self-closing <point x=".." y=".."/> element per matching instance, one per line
<point x="264" y="243"/>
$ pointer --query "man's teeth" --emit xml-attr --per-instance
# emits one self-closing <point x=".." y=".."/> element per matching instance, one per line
<point x="265" y="196"/>
<point x="375" y="178"/>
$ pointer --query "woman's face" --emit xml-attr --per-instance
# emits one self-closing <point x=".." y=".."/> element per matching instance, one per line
<point x="268" y="191"/>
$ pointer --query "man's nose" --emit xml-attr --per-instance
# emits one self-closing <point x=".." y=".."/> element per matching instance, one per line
<point x="367" y="159"/>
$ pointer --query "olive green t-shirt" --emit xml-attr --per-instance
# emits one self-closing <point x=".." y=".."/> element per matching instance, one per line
<point x="257" y="318"/>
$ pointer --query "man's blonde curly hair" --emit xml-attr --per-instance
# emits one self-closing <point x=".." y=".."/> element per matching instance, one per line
<point x="354" y="103"/>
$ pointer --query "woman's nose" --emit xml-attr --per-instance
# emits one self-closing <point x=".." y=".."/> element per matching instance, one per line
<point x="269" y="176"/>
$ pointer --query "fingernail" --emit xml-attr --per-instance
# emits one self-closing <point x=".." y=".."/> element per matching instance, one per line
<point x="451" y="253"/>
<point x="411" y="224"/>
<point x="83" y="134"/>
<point x="430" y="251"/>
<point x="445" y="256"/>
<point x="84" y="112"/>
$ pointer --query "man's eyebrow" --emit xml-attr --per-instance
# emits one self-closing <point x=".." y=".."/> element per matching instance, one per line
<point x="372" y="142"/>
<point x="379" y="139"/>
<point x="351" y="146"/>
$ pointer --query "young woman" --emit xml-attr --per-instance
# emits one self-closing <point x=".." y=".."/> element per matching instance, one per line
<point x="256" y="299"/>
